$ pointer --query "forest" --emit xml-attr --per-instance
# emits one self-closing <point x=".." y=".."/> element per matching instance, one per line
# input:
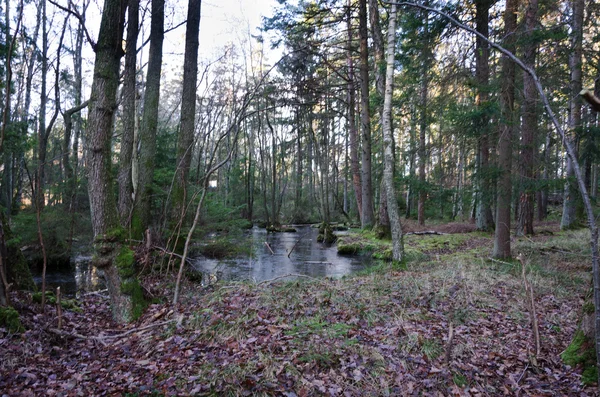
<point x="447" y="150"/>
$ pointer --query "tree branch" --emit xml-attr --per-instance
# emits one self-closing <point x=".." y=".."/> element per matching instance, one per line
<point x="79" y="18"/>
<point x="592" y="99"/>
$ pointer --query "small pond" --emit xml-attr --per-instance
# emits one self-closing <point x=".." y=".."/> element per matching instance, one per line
<point x="308" y="257"/>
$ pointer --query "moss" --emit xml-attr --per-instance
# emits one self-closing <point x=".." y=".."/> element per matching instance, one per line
<point x="347" y="248"/>
<point x="9" y="318"/>
<point x="125" y="261"/>
<point x="588" y="308"/>
<point x="67" y="304"/>
<point x="581" y="352"/>
<point x="133" y="288"/>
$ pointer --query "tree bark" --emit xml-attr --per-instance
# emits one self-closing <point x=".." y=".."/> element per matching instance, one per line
<point x="124" y="177"/>
<point x="424" y="94"/>
<point x="185" y="139"/>
<point x="354" y="162"/>
<point x="105" y="224"/>
<point x="483" y="215"/>
<point x="569" y="216"/>
<point x="528" y="128"/>
<point x="149" y="124"/>
<point x="502" y="248"/>
<point x="388" y="171"/>
<point x="365" y="120"/>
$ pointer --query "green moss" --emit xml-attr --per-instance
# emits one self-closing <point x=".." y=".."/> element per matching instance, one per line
<point x="588" y="308"/>
<point x="581" y="352"/>
<point x="347" y="248"/>
<point x="125" y="261"/>
<point x="67" y="304"/>
<point x="133" y="288"/>
<point x="9" y="318"/>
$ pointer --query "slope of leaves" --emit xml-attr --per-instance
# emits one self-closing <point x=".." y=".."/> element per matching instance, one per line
<point x="456" y="325"/>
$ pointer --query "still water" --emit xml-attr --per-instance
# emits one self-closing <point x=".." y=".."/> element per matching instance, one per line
<point x="308" y="257"/>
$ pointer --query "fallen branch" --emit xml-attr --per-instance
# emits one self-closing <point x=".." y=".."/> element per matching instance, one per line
<point x="105" y="339"/>
<point x="301" y="237"/>
<point x="427" y="232"/>
<point x="287" y="275"/>
<point x="269" y="247"/>
<point x="166" y="251"/>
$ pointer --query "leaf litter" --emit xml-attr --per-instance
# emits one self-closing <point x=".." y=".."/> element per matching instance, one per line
<point x="446" y="327"/>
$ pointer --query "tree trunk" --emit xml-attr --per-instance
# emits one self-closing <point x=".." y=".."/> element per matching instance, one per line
<point x="126" y="154"/>
<point x="424" y="93"/>
<point x="365" y="120"/>
<point x="569" y="216"/>
<point x="483" y="215"/>
<point x="149" y="125"/>
<point x="388" y="171"/>
<point x="354" y="162"/>
<point x="185" y="139"/>
<point x="383" y="219"/>
<point x="528" y="128"/>
<point x="108" y="240"/>
<point x="507" y="102"/>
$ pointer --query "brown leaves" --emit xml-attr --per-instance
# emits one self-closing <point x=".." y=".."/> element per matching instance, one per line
<point x="353" y="337"/>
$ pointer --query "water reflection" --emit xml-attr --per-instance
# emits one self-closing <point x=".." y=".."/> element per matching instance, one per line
<point x="81" y="277"/>
<point x="308" y="257"/>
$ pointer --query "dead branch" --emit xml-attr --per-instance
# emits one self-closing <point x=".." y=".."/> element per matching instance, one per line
<point x="531" y="306"/>
<point x="427" y="232"/>
<point x="287" y="275"/>
<point x="301" y="237"/>
<point x="269" y="247"/>
<point x="106" y="339"/>
<point x="592" y="99"/>
<point x="450" y="343"/>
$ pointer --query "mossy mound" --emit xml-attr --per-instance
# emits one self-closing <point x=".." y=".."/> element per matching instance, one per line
<point x="9" y="318"/>
<point x="581" y="352"/>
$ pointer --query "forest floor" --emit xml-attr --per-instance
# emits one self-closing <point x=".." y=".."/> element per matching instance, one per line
<point x="449" y="322"/>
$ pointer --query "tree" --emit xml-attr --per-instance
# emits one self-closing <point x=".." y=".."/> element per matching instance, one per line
<point x="388" y="173"/>
<point x="569" y="216"/>
<point x="528" y="128"/>
<point x="483" y="215"/>
<point x="185" y="139"/>
<point x="507" y="99"/>
<point x="125" y="176"/>
<point x="367" y="219"/>
<point x="112" y="257"/>
<point x="149" y="124"/>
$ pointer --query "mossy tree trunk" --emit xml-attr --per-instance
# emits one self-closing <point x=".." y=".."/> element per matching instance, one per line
<point x="112" y="257"/>
<point x="149" y="125"/>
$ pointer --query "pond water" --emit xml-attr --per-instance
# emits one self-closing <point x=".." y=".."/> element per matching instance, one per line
<point x="81" y="277"/>
<point x="308" y="257"/>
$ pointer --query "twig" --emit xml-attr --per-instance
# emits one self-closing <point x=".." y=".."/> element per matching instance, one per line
<point x="301" y="237"/>
<point x="449" y="344"/>
<point x="500" y="262"/>
<point x="58" y="308"/>
<point x="531" y="306"/>
<point x="287" y="275"/>
<point x="269" y="247"/>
